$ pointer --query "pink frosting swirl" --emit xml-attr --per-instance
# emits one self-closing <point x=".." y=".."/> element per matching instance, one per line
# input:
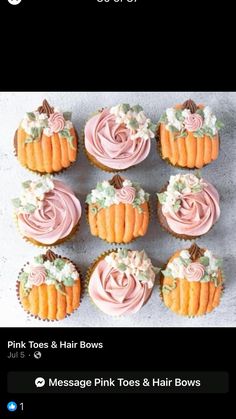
<point x="111" y="144"/>
<point x="59" y="214"/>
<point x="37" y="275"/>
<point x="197" y="214"/>
<point x="194" y="272"/>
<point x="193" y="122"/>
<point x="117" y="293"/>
<point x="126" y="195"/>
<point x="56" y="121"/>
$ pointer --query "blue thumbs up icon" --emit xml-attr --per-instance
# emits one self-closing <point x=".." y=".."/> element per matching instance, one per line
<point x="11" y="406"/>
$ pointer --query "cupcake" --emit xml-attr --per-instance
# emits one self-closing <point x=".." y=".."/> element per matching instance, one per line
<point x="121" y="281"/>
<point x="189" y="135"/>
<point x="47" y="212"/>
<point x="118" y="210"/>
<point x="192" y="282"/>
<point x="49" y="287"/>
<point x="46" y="141"/>
<point x="188" y="206"/>
<point x="119" y="137"/>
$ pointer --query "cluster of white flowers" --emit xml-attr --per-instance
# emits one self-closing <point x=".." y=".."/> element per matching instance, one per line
<point x="177" y="266"/>
<point x="135" y="263"/>
<point x="33" y="193"/>
<point x="135" y="120"/>
<point x="209" y="120"/>
<point x="178" y="186"/>
<point x="38" y="122"/>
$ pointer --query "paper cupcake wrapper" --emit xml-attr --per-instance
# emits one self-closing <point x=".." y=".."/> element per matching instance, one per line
<point x="189" y="317"/>
<point x="82" y="290"/>
<point x="115" y="243"/>
<point x="176" y="165"/>
<point x="88" y="276"/>
<point x="46" y="173"/>
<point x="44" y="245"/>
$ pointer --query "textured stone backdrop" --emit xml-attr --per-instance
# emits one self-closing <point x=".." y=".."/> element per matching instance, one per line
<point x="82" y="177"/>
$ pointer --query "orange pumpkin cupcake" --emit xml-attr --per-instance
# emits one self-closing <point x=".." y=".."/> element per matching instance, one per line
<point x="46" y="141"/>
<point x="118" y="210"/>
<point x="49" y="287"/>
<point x="189" y="135"/>
<point x="188" y="206"/>
<point x="192" y="282"/>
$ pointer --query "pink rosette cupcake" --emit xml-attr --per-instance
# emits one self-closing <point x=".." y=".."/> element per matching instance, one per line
<point x="120" y="282"/>
<point x="188" y="206"/>
<point x="119" y="137"/>
<point x="47" y="212"/>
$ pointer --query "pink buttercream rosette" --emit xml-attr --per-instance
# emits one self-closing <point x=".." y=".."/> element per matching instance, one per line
<point x="197" y="214"/>
<point x="114" y="292"/>
<point x="108" y="144"/>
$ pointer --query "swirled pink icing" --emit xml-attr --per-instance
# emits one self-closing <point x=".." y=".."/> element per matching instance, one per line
<point x="56" y="121"/>
<point x="193" y="122"/>
<point x="126" y="195"/>
<point x="58" y="215"/>
<point x="111" y="144"/>
<point x="194" y="272"/>
<point x="197" y="213"/>
<point x="37" y="275"/>
<point x="117" y="293"/>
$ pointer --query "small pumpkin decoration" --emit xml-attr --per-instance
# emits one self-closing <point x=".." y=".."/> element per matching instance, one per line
<point x="49" y="287"/>
<point x="46" y="141"/>
<point x="188" y="135"/>
<point x="118" y="210"/>
<point x="192" y="282"/>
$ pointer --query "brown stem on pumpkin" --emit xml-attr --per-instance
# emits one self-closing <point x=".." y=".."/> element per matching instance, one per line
<point x="117" y="181"/>
<point x="191" y="105"/>
<point x="50" y="255"/>
<point x="46" y="108"/>
<point x="195" y="252"/>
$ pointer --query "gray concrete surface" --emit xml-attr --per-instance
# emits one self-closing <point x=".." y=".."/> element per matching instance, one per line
<point x="152" y="174"/>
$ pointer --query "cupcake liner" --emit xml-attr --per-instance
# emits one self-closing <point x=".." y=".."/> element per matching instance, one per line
<point x="159" y="151"/>
<point x="46" y="173"/>
<point x="82" y="290"/>
<point x="122" y="243"/>
<point x="38" y="244"/>
<point x="95" y="163"/>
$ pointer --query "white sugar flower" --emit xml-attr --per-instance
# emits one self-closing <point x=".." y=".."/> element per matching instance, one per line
<point x="185" y="254"/>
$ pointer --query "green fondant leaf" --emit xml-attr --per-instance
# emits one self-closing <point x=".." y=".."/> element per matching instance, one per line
<point x="219" y="262"/>
<point x="176" y="206"/>
<point x="125" y="107"/>
<point x="183" y="134"/>
<point x="26" y="184"/>
<point x="59" y="263"/>
<point x="59" y="288"/>
<point x="36" y="132"/>
<point x="206" y="278"/>
<point x="137" y="108"/>
<point x="28" y="140"/>
<point x="68" y="282"/>
<point x="167" y="272"/>
<point x="200" y="112"/>
<point x="179" y="115"/>
<point x="94" y="210"/>
<point x="38" y="259"/>
<point x="152" y="127"/>
<point x="31" y="116"/>
<point x="162" y="197"/>
<point x="133" y="124"/>
<point x="219" y="124"/>
<point x="173" y="129"/>
<point x="16" y="202"/>
<point x="24" y="277"/>
<point x="122" y="267"/>
<point x="199" y="133"/>
<point x="169" y="288"/>
<point x="30" y="208"/>
<point x="67" y="116"/>
<point x="163" y="119"/>
<point x="142" y="277"/>
<point x="204" y="260"/>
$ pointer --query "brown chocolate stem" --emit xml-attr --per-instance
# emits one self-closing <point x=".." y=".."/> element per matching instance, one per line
<point x="117" y="181"/>
<point x="46" y="108"/>
<point x="195" y="252"/>
<point x="50" y="255"/>
<point x="191" y="105"/>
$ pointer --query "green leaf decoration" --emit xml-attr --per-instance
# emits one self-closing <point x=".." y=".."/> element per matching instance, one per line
<point x="198" y="174"/>
<point x="67" y="116"/>
<point x="24" y="277"/>
<point x="169" y="288"/>
<point x="123" y="253"/>
<point x="122" y="267"/>
<point x="36" y="132"/>
<point x="162" y="197"/>
<point x="125" y="107"/>
<point x="89" y="199"/>
<point x="152" y="127"/>
<point x="184" y="261"/>
<point x="206" y="278"/>
<point x="142" y="277"/>
<point x="219" y="262"/>
<point x="219" y="124"/>
<point x="199" y="133"/>
<point x="176" y="206"/>
<point x="163" y="119"/>
<point x="26" y="184"/>
<point x="30" y="208"/>
<point x="31" y="116"/>
<point x="110" y="191"/>
<point x="204" y="260"/>
<point x="179" y="115"/>
<point x="140" y="210"/>
<point x="94" y="210"/>
<point x="68" y="282"/>
<point x="137" y="108"/>
<point x="38" y="259"/>
<point x="65" y="133"/>
<point x="16" y="202"/>
<point x="183" y="134"/>
<point x="70" y="140"/>
<point x="197" y="189"/>
<point x="209" y="132"/>
<point x="59" y="263"/>
<point x="133" y="124"/>
<point x="173" y="129"/>
<point x="28" y="140"/>
<point x="200" y="112"/>
<point x="167" y="272"/>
